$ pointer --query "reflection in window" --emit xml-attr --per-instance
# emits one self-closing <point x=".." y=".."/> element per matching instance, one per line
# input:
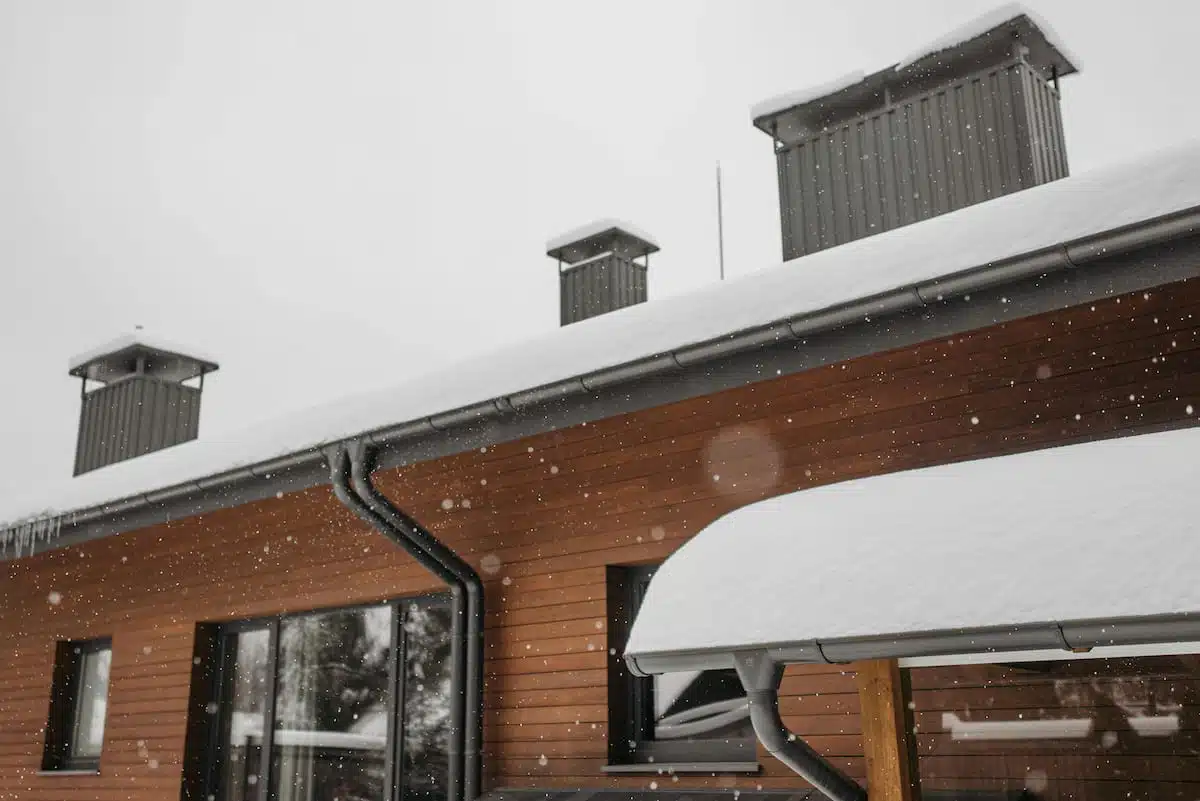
<point x="319" y="690"/>
<point x="1085" y="728"/>
<point x="78" y="705"/>
<point x="331" y="706"/>
<point x="678" y="717"/>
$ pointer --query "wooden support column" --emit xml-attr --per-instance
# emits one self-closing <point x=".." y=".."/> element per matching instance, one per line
<point x="889" y="744"/>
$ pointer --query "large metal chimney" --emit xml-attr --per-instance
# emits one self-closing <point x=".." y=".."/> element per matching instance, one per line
<point x="968" y="118"/>
<point x="599" y="270"/>
<point x="142" y="404"/>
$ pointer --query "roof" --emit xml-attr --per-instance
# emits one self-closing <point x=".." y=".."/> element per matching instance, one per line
<point x="983" y="40"/>
<point x="108" y="361"/>
<point x="818" y="292"/>
<point x="1098" y="531"/>
<point x="596" y="237"/>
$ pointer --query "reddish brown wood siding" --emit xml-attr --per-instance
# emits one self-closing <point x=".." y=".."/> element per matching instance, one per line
<point x="549" y="513"/>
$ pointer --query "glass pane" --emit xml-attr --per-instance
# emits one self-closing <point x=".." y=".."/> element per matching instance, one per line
<point x="1078" y="729"/>
<point x="91" y="703"/>
<point x="700" y="705"/>
<point x="245" y="704"/>
<point x="332" y="700"/>
<point x="426" y="699"/>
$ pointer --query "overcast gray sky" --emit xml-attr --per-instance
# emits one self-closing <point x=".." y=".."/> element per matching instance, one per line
<point x="330" y="196"/>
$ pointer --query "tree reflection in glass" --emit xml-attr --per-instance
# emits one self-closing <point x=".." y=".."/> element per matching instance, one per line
<point x="426" y="699"/>
<point x="332" y="701"/>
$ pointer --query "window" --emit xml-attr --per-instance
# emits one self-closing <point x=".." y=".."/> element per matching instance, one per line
<point x="78" y="702"/>
<point x="307" y="706"/>
<point x="1113" y="727"/>
<point x="673" y="718"/>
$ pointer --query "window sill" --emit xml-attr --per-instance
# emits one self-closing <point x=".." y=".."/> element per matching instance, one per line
<point x="684" y="767"/>
<point x="66" y="772"/>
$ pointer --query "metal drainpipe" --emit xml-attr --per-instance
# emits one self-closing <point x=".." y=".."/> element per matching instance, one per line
<point x="465" y="578"/>
<point x="350" y="472"/>
<point x="760" y="677"/>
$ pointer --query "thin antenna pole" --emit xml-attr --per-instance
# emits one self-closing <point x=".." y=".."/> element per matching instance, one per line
<point x="720" y="224"/>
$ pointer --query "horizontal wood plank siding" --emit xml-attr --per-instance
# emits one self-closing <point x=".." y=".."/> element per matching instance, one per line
<point x="542" y="518"/>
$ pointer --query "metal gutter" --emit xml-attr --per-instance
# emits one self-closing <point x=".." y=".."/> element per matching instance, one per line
<point x="350" y="475"/>
<point x="531" y="411"/>
<point x="1068" y="637"/>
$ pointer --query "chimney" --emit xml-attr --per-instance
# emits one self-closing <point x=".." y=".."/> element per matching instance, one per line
<point x="972" y="116"/>
<point x="142" y="403"/>
<point x="598" y="268"/>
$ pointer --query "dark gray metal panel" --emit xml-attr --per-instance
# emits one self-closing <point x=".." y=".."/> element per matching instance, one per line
<point x="977" y="138"/>
<point x="132" y="417"/>
<point x="599" y="286"/>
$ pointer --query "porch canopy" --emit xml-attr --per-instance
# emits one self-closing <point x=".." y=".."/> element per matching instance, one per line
<point x="1073" y="547"/>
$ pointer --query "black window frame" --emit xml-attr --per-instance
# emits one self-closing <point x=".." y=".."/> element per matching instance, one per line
<point x="631" y="698"/>
<point x="213" y="659"/>
<point x="66" y="697"/>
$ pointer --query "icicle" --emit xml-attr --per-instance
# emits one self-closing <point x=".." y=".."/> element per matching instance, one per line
<point x="23" y="538"/>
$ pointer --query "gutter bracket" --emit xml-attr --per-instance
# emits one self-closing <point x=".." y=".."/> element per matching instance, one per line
<point x="761" y="675"/>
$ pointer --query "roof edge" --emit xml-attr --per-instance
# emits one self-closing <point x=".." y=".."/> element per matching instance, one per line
<point x="539" y="409"/>
<point x="1067" y="636"/>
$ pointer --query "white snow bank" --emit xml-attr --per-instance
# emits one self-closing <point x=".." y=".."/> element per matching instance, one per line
<point x="981" y="25"/>
<point x="597" y="227"/>
<point x="783" y="102"/>
<point x="1100" y="530"/>
<point x="129" y="340"/>
<point x="1023" y="222"/>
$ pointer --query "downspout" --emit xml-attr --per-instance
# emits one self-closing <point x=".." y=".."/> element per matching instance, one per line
<point x="760" y="677"/>
<point x="351" y="478"/>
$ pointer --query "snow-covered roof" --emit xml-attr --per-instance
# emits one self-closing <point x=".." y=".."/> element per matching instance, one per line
<point x="597" y="227"/>
<point x="133" y="340"/>
<point x="1098" y="531"/>
<point x="774" y="105"/>
<point x="981" y="25"/>
<point x="1025" y="222"/>
<point x="1048" y="46"/>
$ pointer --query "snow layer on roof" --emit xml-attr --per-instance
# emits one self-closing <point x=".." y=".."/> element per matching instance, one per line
<point x="1023" y="222"/>
<point x="1095" y="531"/>
<point x="128" y="340"/>
<point x="981" y="25"/>
<point x="597" y="227"/>
<point x="783" y="102"/>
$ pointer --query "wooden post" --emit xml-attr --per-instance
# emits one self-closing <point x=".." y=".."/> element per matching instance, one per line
<point x="889" y="744"/>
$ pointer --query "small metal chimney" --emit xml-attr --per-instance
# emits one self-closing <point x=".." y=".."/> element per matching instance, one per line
<point x="142" y="403"/>
<point x="598" y="268"/>
<point x="971" y="117"/>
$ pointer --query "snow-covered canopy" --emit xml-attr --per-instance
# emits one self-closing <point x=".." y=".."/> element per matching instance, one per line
<point x="142" y="339"/>
<point x="1099" y="531"/>
<point x="1024" y="222"/>
<point x="598" y="227"/>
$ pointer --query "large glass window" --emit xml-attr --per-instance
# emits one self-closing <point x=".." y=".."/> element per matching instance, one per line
<point x="79" y="702"/>
<point x="695" y="716"/>
<point x="1114" y="728"/>
<point x="320" y="692"/>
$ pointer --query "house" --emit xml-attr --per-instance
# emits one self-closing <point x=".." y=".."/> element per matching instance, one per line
<point x="429" y="591"/>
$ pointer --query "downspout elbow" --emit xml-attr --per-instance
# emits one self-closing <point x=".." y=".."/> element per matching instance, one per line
<point x="795" y="753"/>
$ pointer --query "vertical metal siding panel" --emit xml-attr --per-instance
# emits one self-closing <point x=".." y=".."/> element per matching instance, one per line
<point x="87" y="434"/>
<point x="904" y="167"/>
<point x="1054" y="125"/>
<point x="837" y="176"/>
<point x="1037" y="138"/>
<point x="1061" y="137"/>
<point x="956" y="177"/>
<point x="111" y="419"/>
<point x="922" y="177"/>
<point x="194" y="413"/>
<point x="887" y="169"/>
<point x="175" y="414"/>
<point x="1022" y="135"/>
<point x="824" y="155"/>
<point x="810" y="216"/>
<point x="1008" y="130"/>
<point x="785" y="172"/>
<point x="142" y="428"/>
<point x="973" y="143"/>
<point x="565" y="313"/>
<point x="872" y="195"/>
<point x="937" y="154"/>
<point x="855" y="204"/>
<point x="993" y="181"/>
<point x="130" y="420"/>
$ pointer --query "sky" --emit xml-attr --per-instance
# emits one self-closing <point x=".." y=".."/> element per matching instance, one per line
<point x="331" y="197"/>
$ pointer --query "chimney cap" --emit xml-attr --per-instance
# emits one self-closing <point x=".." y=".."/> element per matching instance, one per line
<point x="119" y="359"/>
<point x="599" y="236"/>
<point x="985" y="40"/>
